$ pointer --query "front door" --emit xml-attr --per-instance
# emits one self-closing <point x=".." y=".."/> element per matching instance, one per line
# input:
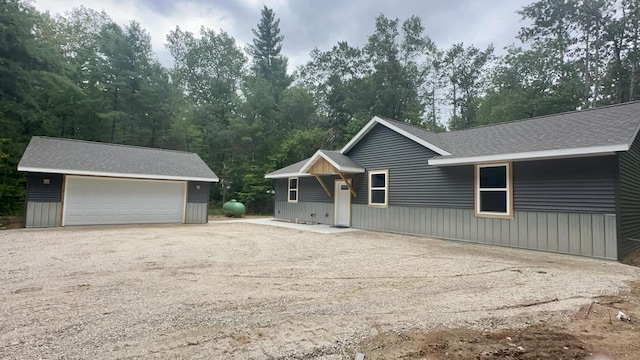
<point x="342" y="204"/>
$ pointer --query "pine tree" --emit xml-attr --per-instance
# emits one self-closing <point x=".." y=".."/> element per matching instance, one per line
<point x="268" y="63"/>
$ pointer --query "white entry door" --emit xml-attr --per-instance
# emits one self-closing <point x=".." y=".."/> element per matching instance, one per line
<point x="95" y="200"/>
<point x="342" y="204"/>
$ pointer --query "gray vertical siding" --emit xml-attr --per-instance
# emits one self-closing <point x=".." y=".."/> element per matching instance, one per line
<point x="311" y="212"/>
<point x="42" y="214"/>
<point x="411" y="181"/>
<point x="629" y="200"/>
<point x="591" y="235"/>
<point x="580" y="185"/>
<point x="197" y="213"/>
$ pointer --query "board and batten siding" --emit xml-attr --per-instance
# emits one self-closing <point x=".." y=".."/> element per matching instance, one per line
<point x="629" y="200"/>
<point x="197" y="202"/>
<point x="43" y="201"/>
<point x="308" y="212"/>
<point x="412" y="182"/>
<point x="592" y="235"/>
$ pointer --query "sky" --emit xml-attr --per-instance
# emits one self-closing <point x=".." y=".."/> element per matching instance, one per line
<point x="309" y="24"/>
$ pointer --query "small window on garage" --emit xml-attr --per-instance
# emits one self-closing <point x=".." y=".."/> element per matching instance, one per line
<point x="293" y="190"/>
<point x="379" y="188"/>
<point x="494" y="195"/>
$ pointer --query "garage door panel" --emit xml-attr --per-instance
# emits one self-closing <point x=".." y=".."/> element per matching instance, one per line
<point x="122" y="201"/>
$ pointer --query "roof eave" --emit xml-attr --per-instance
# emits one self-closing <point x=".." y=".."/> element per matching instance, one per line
<point x="285" y="175"/>
<point x="532" y="155"/>
<point x="117" y="175"/>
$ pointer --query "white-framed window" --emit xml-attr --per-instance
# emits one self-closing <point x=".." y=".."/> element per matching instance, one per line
<point x="494" y="190"/>
<point x="379" y="188"/>
<point x="292" y="195"/>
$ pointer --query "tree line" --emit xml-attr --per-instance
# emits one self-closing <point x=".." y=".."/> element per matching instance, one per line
<point x="81" y="75"/>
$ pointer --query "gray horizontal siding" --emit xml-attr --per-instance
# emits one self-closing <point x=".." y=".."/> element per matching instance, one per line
<point x="42" y="214"/>
<point x="591" y="235"/>
<point x="309" y="189"/>
<point x="313" y="212"/>
<point x="39" y="192"/>
<point x="198" y="196"/>
<point x="581" y="185"/>
<point x="629" y="200"/>
<point x="411" y="181"/>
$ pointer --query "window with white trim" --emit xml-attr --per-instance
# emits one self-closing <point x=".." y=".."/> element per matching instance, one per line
<point x="493" y="190"/>
<point x="293" y="190"/>
<point x="378" y="187"/>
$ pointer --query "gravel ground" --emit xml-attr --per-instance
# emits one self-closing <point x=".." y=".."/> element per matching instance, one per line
<point x="258" y="292"/>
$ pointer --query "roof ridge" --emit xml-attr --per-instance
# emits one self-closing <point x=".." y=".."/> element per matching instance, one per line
<point x="542" y="116"/>
<point x="112" y="144"/>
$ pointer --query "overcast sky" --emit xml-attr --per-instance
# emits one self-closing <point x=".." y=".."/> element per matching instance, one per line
<point x="307" y="24"/>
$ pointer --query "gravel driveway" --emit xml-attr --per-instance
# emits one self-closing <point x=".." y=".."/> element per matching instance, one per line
<point x="257" y="292"/>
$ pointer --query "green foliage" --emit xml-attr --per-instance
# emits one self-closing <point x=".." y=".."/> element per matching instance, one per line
<point x="81" y="75"/>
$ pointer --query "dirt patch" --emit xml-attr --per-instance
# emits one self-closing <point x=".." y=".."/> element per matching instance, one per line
<point x="10" y="222"/>
<point x="593" y="332"/>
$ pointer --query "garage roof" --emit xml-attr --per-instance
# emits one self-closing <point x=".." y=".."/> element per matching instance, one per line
<point x="76" y="157"/>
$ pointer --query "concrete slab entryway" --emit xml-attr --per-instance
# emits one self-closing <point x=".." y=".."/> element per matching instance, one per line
<point x="317" y="228"/>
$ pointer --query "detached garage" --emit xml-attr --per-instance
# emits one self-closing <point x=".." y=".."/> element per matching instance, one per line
<point x="73" y="182"/>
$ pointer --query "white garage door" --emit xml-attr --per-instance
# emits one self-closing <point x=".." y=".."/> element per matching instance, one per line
<point x="92" y="200"/>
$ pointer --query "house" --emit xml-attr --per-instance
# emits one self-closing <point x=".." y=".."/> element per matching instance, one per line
<point x="566" y="183"/>
<point x="73" y="182"/>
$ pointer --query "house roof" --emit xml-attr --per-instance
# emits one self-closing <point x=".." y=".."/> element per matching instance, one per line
<point x="588" y="132"/>
<point x="76" y="157"/>
<point x="293" y="170"/>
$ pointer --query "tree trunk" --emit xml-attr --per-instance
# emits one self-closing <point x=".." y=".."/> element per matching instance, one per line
<point x="113" y="121"/>
<point x="634" y="57"/>
<point x="587" y="78"/>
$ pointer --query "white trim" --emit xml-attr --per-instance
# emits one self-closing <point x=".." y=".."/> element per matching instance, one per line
<point x="506" y="189"/>
<point x="186" y="199"/>
<point x="287" y="175"/>
<point x="116" y="175"/>
<point x="335" y="200"/>
<point x="376" y="120"/>
<point x="385" y="188"/>
<point x="297" y="190"/>
<point x="64" y="200"/>
<point x="321" y="154"/>
<point x="544" y="154"/>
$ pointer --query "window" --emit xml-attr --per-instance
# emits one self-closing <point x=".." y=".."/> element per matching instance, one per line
<point x="293" y="190"/>
<point x="494" y="196"/>
<point x="379" y="188"/>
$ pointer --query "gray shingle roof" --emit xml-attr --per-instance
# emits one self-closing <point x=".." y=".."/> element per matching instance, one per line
<point x="340" y="159"/>
<point x="296" y="169"/>
<point x="293" y="170"/>
<point x="67" y="156"/>
<point x="609" y="125"/>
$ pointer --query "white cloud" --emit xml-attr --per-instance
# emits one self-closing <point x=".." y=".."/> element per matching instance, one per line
<point x="189" y="15"/>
